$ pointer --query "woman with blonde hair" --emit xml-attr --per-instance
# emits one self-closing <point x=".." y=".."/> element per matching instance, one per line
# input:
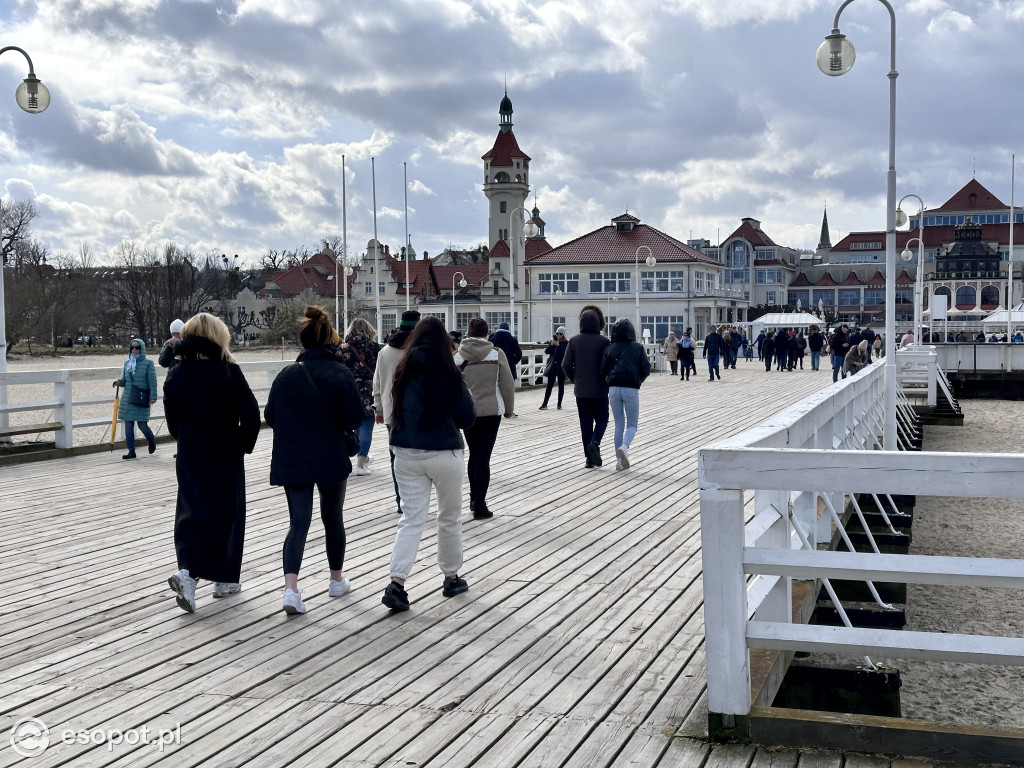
<point x="359" y="353"/>
<point x="214" y="416"/>
<point x="313" y="403"/>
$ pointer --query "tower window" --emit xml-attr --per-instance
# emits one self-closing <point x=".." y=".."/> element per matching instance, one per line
<point x="503" y="206"/>
<point x="501" y="178"/>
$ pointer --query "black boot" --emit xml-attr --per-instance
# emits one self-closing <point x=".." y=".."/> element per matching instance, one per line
<point x="129" y="455"/>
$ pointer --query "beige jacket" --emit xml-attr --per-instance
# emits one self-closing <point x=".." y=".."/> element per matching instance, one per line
<point x="384" y="379"/>
<point x="487" y="375"/>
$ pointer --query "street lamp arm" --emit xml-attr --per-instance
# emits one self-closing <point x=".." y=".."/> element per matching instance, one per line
<point x="892" y="28"/>
<point x="31" y="69"/>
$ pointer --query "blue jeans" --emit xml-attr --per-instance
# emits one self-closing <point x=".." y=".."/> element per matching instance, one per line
<point x="713" y="365"/>
<point x="129" y="433"/>
<point x="837" y="367"/>
<point x="365" y="436"/>
<point x="625" y="405"/>
<point x="815" y="359"/>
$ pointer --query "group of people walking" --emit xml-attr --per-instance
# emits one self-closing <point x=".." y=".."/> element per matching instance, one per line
<point x="436" y="399"/>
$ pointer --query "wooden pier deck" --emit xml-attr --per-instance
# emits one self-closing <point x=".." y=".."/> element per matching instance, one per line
<point x="580" y="642"/>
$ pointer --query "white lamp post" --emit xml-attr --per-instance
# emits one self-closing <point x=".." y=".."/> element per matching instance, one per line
<point x="650" y="262"/>
<point x="529" y="229"/>
<point x="901" y="219"/>
<point x="462" y="284"/>
<point x="33" y="97"/>
<point x="608" y="310"/>
<point x="551" y="303"/>
<point x="835" y="57"/>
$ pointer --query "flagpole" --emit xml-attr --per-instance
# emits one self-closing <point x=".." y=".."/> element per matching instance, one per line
<point x="376" y="247"/>
<point x="344" y="238"/>
<point x="1009" y="281"/>
<point x="405" y="175"/>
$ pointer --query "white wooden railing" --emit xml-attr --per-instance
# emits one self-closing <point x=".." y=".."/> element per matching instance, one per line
<point x="765" y="501"/>
<point x="68" y="410"/>
<point x="59" y="412"/>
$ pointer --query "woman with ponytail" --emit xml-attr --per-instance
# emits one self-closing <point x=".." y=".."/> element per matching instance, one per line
<point x="312" y="403"/>
<point x="430" y="404"/>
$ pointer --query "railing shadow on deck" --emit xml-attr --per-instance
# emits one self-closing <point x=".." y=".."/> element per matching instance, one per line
<point x="800" y="467"/>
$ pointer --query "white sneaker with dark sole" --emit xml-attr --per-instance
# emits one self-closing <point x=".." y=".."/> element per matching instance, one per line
<point x="292" y="602"/>
<point x="622" y="452"/>
<point x="223" y="589"/>
<point x="184" y="587"/>
<point x="339" y="588"/>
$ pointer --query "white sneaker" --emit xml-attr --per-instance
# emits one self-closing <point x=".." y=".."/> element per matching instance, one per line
<point x="184" y="587"/>
<point x="339" y="588"/>
<point x="622" y="453"/>
<point x="292" y="602"/>
<point x="223" y="589"/>
<point x="361" y="471"/>
<point x="618" y="464"/>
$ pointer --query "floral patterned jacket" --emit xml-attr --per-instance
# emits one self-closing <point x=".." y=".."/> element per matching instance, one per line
<point x="359" y="355"/>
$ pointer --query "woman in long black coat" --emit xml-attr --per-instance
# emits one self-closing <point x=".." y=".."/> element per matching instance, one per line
<point x="313" y="403"/>
<point x="215" y="418"/>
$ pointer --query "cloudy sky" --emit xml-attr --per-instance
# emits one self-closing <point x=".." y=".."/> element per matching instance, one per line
<point x="222" y="124"/>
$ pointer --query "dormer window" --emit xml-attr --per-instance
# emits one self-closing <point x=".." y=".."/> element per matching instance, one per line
<point x="624" y="226"/>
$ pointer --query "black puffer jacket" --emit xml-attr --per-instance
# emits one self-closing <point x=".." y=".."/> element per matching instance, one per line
<point x="584" y="355"/>
<point x="432" y="408"/>
<point x="625" y="362"/>
<point x="309" y="444"/>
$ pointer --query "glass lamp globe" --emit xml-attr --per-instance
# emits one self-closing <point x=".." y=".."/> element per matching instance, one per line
<point x="530" y="229"/>
<point x="32" y="96"/>
<point x="651" y="261"/>
<point x="835" y="55"/>
<point x="907" y="255"/>
<point x="901" y="217"/>
<point x="463" y="283"/>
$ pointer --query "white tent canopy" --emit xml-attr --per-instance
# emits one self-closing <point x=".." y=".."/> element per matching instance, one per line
<point x="789" y="320"/>
<point x="998" y="317"/>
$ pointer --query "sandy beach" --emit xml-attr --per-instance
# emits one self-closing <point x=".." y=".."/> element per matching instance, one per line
<point x="968" y="693"/>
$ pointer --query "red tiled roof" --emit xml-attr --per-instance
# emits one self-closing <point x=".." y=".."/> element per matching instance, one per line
<point x="904" y="279"/>
<point x="609" y="245"/>
<point x="825" y="279"/>
<point x="419" y="274"/>
<point x="534" y="248"/>
<point x="851" y="279"/>
<point x="504" y="150"/>
<point x="801" y="281"/>
<point x="877" y="278"/>
<point x="626" y="217"/>
<point x="962" y="200"/>
<point x="753" y="236"/>
<point x="297" y="279"/>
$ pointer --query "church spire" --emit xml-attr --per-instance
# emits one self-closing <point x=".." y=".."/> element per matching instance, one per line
<point x="505" y="111"/>
<point x="824" y="241"/>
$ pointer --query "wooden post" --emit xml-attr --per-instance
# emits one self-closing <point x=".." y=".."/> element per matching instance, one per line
<point x="62" y="392"/>
<point x="725" y="604"/>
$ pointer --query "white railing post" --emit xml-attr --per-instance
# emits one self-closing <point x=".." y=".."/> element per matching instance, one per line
<point x="933" y="375"/>
<point x="725" y="602"/>
<point x="62" y="392"/>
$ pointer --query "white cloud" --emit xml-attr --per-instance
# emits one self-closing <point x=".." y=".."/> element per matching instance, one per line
<point x="418" y="187"/>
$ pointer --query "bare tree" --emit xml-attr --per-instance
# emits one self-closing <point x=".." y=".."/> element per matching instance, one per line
<point x="15" y="227"/>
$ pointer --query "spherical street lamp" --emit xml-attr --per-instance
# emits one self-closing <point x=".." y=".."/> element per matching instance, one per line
<point x="650" y="262"/>
<point x="462" y="284"/>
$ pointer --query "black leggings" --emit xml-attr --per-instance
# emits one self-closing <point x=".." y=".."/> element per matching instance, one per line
<point x="560" y="376"/>
<point x="480" y="439"/>
<point x="300" y="512"/>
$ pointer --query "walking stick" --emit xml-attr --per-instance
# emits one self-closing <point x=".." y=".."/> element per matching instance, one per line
<point x="113" y="419"/>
